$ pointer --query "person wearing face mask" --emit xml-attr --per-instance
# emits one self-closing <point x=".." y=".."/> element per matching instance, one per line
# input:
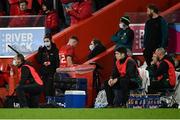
<point x="124" y="77"/>
<point x="163" y="72"/>
<point x="125" y="35"/>
<point x="156" y="33"/>
<point x="48" y="58"/>
<point x="95" y="47"/>
<point x="30" y="84"/>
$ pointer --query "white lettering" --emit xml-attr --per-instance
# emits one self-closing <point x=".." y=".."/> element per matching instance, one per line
<point x="30" y="37"/>
<point x="29" y="46"/>
<point x="141" y="36"/>
<point x="7" y="49"/>
<point x="8" y="37"/>
<point x="16" y="37"/>
<point x="24" y="37"/>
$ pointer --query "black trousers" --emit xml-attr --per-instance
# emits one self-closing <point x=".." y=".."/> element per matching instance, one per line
<point x="28" y="95"/>
<point x="148" y="53"/>
<point x="158" y="86"/>
<point x="118" y="94"/>
<point x="48" y="84"/>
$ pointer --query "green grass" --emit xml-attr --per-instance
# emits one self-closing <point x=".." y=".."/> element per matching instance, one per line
<point x="107" y="113"/>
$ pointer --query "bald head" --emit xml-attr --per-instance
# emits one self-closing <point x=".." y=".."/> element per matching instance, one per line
<point x="160" y="52"/>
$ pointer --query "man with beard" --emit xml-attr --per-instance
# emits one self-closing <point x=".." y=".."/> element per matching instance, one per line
<point x="156" y="33"/>
<point x="48" y="57"/>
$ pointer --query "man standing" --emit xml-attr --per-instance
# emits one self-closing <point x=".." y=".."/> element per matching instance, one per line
<point x="66" y="52"/>
<point x="30" y="83"/>
<point x="156" y="33"/>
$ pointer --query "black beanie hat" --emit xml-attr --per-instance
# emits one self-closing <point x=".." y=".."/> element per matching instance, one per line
<point x="125" y="20"/>
<point x="122" y="50"/>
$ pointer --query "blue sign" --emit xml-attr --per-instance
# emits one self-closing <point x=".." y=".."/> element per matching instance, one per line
<point x="25" y="40"/>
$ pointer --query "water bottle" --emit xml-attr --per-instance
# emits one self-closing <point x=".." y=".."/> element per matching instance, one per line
<point x="11" y="72"/>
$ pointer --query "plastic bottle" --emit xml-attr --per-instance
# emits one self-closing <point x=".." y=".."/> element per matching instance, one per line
<point x="11" y="72"/>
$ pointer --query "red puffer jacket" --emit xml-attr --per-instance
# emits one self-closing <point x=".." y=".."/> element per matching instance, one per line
<point x="20" y="20"/>
<point x="80" y="11"/>
<point x="52" y="20"/>
<point x="2" y="13"/>
<point x="67" y="1"/>
<point x="14" y="7"/>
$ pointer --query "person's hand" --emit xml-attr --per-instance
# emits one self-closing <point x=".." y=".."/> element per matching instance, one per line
<point x="114" y="81"/>
<point x="152" y="63"/>
<point x="110" y="82"/>
<point x="47" y="63"/>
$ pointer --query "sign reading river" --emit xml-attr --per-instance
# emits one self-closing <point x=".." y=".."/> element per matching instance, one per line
<point x="25" y="40"/>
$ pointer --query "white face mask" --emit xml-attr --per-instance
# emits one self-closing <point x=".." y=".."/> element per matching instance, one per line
<point x="46" y="44"/>
<point x="91" y="47"/>
<point x="14" y="62"/>
<point x="121" y="25"/>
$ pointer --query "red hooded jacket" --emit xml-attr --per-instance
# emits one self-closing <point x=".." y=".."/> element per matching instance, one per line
<point x="52" y="20"/>
<point x="80" y="11"/>
<point x="14" y="7"/>
<point x="2" y="13"/>
<point x="21" y="20"/>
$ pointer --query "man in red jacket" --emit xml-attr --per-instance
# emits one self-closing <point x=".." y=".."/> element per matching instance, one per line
<point x="22" y="20"/>
<point x="80" y="10"/>
<point x="51" y="19"/>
